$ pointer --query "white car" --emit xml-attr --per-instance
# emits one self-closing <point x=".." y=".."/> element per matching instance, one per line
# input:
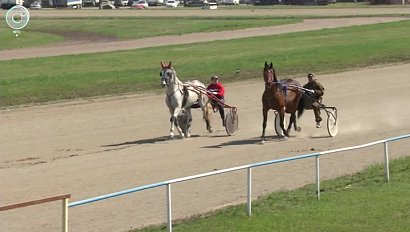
<point x="35" y="5"/>
<point x="171" y="3"/>
<point x="141" y="4"/>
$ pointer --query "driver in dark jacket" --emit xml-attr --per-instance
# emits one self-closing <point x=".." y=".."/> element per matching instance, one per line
<point x="316" y="91"/>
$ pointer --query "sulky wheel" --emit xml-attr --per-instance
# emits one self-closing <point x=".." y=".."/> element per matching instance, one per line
<point x="332" y="125"/>
<point x="231" y="122"/>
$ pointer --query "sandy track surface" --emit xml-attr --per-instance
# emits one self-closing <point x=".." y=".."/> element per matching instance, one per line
<point x="93" y="47"/>
<point x="94" y="147"/>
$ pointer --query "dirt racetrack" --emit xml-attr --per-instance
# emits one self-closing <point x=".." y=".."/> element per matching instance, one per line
<point x="81" y="47"/>
<point x="94" y="147"/>
<point x="98" y="146"/>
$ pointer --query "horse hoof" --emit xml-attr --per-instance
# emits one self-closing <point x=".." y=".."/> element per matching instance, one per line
<point x="299" y="129"/>
<point x="263" y="142"/>
<point x="188" y="135"/>
<point x="171" y="135"/>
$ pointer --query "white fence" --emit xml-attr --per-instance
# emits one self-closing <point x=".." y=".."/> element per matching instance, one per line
<point x="248" y="167"/>
<point x="249" y="176"/>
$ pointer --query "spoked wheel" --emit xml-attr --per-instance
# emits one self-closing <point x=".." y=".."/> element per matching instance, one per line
<point x="332" y="124"/>
<point x="279" y="130"/>
<point x="231" y="122"/>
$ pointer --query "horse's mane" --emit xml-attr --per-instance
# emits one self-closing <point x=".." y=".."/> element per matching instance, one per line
<point x="175" y="72"/>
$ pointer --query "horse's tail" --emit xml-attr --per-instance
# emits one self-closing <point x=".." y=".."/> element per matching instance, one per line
<point x="301" y="106"/>
<point x="204" y="102"/>
<point x="206" y="113"/>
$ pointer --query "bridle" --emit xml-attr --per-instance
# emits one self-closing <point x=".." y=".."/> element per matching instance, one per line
<point x="167" y="74"/>
<point x="268" y="76"/>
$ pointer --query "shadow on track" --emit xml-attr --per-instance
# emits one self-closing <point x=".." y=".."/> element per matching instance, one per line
<point x="146" y="141"/>
<point x="256" y="140"/>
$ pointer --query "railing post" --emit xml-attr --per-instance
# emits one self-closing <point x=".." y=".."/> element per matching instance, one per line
<point x="249" y="192"/>
<point x="65" y="215"/>
<point x="386" y="162"/>
<point x="169" y="208"/>
<point x="317" y="176"/>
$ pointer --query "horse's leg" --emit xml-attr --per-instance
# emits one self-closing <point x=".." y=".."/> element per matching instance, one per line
<point x="297" y="128"/>
<point x="189" y="122"/>
<point x="171" y="130"/>
<point x="282" y="125"/>
<point x="177" y="123"/>
<point x="265" y="118"/>
<point x="292" y="121"/>
<point x="174" y="123"/>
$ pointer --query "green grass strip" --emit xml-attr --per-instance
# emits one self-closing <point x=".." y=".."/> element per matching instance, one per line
<point x="41" y="31"/>
<point x="133" y="28"/>
<point x="8" y="40"/>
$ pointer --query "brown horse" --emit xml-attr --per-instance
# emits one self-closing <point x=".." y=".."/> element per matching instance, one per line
<point x="283" y="96"/>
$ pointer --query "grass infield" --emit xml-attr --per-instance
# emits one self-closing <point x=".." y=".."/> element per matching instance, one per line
<point x="324" y="51"/>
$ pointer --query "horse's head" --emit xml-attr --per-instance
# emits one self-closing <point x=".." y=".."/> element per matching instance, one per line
<point x="167" y="74"/>
<point x="269" y="74"/>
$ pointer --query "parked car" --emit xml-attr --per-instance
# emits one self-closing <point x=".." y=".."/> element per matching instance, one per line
<point x="171" y="3"/>
<point x="35" y="5"/>
<point x="210" y="6"/>
<point x="107" y="4"/>
<point x="155" y="2"/>
<point x="141" y="4"/>
<point x="231" y="2"/>
<point x="119" y="3"/>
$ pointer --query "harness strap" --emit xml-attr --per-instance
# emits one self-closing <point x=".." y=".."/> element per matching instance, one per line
<point x="284" y="89"/>
<point x="185" y="95"/>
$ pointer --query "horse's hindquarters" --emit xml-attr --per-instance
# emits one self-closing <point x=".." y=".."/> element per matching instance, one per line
<point x="308" y="101"/>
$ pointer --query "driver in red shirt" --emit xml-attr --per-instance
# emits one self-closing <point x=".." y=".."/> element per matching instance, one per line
<point x="217" y="89"/>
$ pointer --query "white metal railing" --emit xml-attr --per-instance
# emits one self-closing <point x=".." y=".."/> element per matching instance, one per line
<point x="249" y="168"/>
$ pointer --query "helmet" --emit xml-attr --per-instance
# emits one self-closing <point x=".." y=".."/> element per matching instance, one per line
<point x="214" y="77"/>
